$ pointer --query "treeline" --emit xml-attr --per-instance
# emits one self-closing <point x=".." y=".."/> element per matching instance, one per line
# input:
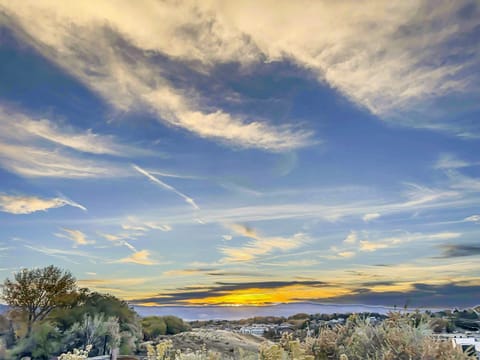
<point x="49" y="315"/>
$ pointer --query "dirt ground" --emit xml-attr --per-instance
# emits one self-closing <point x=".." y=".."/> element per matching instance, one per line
<point x="227" y="343"/>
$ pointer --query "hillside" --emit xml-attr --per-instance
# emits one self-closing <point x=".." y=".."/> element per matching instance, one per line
<point x="221" y="341"/>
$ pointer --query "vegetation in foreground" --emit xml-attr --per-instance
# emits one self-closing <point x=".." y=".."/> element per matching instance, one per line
<point x="49" y="316"/>
<point x="400" y="336"/>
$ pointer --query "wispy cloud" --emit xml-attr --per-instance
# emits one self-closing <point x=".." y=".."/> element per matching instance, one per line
<point x="416" y="198"/>
<point x="141" y="257"/>
<point x="38" y="148"/>
<point x="175" y="175"/>
<point x="395" y="241"/>
<point x="306" y="263"/>
<point x="39" y="162"/>
<point x="65" y="255"/>
<point x="413" y="295"/>
<point x="20" y="127"/>
<point x="122" y="287"/>
<point x="78" y="237"/>
<point x="420" y="194"/>
<point x="389" y="72"/>
<point x="450" y="161"/>
<point x="463" y="183"/>
<point x="164" y="185"/>
<point x="132" y="229"/>
<point x="346" y="254"/>
<point x="129" y="80"/>
<point x="120" y="239"/>
<point x="259" y="245"/>
<point x="24" y="204"/>
<point x="351" y="238"/>
<point x="189" y="272"/>
<point x="370" y="217"/>
<point x="472" y="218"/>
<point x="158" y="226"/>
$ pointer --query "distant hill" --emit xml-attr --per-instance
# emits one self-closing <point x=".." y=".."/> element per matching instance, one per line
<point x="191" y="313"/>
<point x="3" y="308"/>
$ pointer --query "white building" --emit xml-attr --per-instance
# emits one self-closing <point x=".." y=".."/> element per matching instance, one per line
<point x="467" y="342"/>
<point x="257" y="330"/>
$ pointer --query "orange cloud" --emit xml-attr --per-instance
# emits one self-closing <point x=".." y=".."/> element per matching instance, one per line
<point x="140" y="257"/>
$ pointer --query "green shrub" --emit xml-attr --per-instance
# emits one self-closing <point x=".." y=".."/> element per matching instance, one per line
<point x="43" y="343"/>
<point x="153" y="326"/>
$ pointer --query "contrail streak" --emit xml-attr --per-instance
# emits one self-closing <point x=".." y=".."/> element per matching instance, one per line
<point x="157" y="181"/>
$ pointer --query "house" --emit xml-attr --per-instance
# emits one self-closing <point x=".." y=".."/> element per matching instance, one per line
<point x="284" y="328"/>
<point x="469" y="344"/>
<point x="257" y="330"/>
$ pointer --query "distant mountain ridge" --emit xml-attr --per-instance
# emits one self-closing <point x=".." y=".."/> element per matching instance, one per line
<point x="216" y="312"/>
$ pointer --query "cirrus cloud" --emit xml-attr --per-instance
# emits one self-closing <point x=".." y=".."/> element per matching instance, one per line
<point x="259" y="245"/>
<point x="78" y="237"/>
<point x="24" y="204"/>
<point x="141" y="257"/>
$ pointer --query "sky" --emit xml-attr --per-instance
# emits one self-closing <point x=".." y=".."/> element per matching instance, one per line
<point x="244" y="152"/>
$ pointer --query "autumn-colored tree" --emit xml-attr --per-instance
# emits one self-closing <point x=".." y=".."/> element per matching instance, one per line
<point x="37" y="292"/>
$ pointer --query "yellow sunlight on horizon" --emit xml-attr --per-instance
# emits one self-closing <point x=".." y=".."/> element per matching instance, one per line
<point x="257" y="296"/>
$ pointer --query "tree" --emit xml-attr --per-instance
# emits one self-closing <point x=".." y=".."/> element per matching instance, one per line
<point x="153" y="326"/>
<point x="37" y="292"/>
<point x="175" y="325"/>
<point x="87" y="303"/>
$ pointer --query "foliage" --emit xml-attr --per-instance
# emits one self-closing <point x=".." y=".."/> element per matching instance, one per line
<point x="164" y="351"/>
<point x="271" y="352"/>
<point x="197" y="355"/>
<point x="59" y="318"/>
<point x="287" y="348"/>
<point x="37" y="292"/>
<point x="175" y="325"/>
<point x="76" y="354"/>
<point x="161" y="351"/>
<point x="399" y="337"/>
<point x="7" y="332"/>
<point x="44" y="341"/>
<point x="3" y="349"/>
<point x="4" y="325"/>
<point x="46" y="306"/>
<point x="92" y="303"/>
<point x="87" y="302"/>
<point x="153" y="326"/>
<point x="299" y="316"/>
<point x="99" y="332"/>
